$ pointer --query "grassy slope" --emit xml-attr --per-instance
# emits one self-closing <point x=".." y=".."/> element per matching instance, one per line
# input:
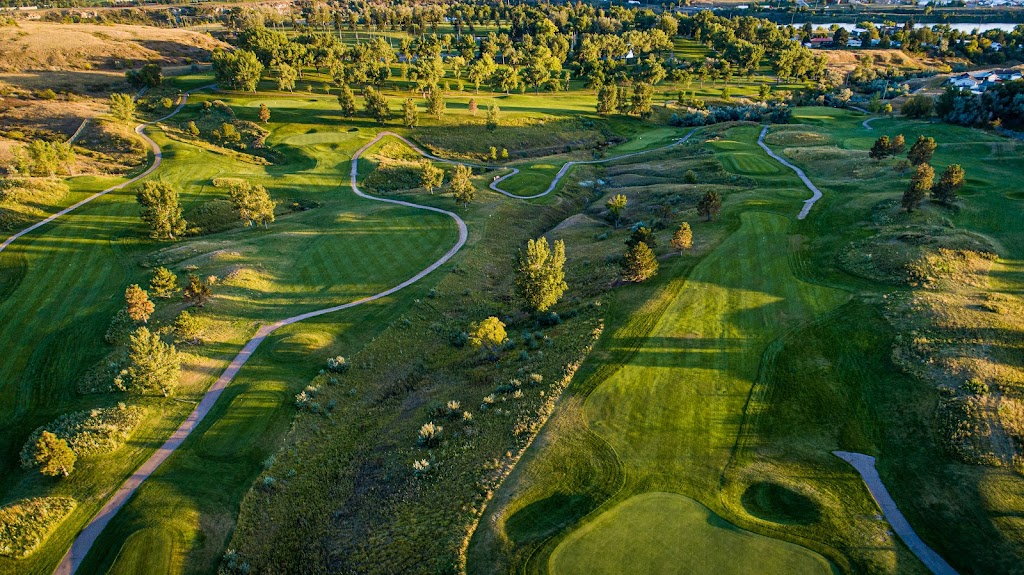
<point x="74" y="275"/>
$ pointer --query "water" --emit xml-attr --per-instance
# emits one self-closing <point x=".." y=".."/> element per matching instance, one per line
<point x="959" y="27"/>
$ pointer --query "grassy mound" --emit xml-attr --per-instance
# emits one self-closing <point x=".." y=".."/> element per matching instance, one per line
<point x="779" y="504"/>
<point x="669" y="533"/>
<point x="25" y="524"/>
<point x="88" y="432"/>
<point x="22" y="199"/>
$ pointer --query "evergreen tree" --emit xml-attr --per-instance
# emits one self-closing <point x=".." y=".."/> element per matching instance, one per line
<point x="347" y="101"/>
<point x="710" y="204"/>
<point x="540" y="277"/>
<point x="898" y="146"/>
<point x="642" y="234"/>
<point x="137" y="304"/>
<point x="161" y="210"/>
<point x="643" y="99"/>
<point x="410" y="117"/>
<point x="683" y="238"/>
<point x="435" y="104"/>
<point x="920" y="185"/>
<point x="461" y="186"/>
<point x="639" y="263"/>
<point x="430" y="175"/>
<point x="472" y="106"/>
<point x="152" y="364"/>
<point x="164" y="283"/>
<point x="922" y="150"/>
<point x="53" y="456"/>
<point x="197" y="291"/>
<point x="264" y="113"/>
<point x="607" y="99"/>
<point x="881" y="149"/>
<point x="950" y="182"/>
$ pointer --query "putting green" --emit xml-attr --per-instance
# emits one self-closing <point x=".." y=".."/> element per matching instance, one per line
<point x="669" y="533"/>
<point x="319" y="138"/>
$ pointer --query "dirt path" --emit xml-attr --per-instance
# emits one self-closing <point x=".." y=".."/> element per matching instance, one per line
<point x="865" y="465"/>
<point x="87" y="537"/>
<point x="158" y="158"/>
<point x="815" y="192"/>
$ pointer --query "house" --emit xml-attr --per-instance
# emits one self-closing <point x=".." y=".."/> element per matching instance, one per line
<point x="1008" y="75"/>
<point x="853" y="43"/>
<point x="963" y="81"/>
<point x="820" y="42"/>
<point x="983" y="77"/>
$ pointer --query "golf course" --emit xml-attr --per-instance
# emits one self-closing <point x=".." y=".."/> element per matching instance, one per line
<point x="462" y="289"/>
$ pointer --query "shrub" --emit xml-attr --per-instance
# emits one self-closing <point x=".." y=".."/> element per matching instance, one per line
<point x="420" y="467"/>
<point x="975" y="386"/>
<point x="88" y="432"/>
<point x="429" y="434"/>
<point x="25" y="524"/>
<point x="337" y="364"/>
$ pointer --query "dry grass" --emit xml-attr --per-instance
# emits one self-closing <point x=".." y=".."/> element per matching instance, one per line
<point x="846" y="60"/>
<point x="46" y="46"/>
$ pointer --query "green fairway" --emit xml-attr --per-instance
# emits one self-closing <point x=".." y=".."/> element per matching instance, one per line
<point x="665" y="533"/>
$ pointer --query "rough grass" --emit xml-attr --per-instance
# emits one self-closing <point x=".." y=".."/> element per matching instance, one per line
<point x="25" y="524"/>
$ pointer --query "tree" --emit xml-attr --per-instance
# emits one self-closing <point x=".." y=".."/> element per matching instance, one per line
<point x="149" y="76"/>
<point x="461" y="187"/>
<point x="376" y="105"/>
<point x="161" y="210"/>
<point x="950" y="182"/>
<point x="347" y="101"/>
<point x="53" y="456"/>
<point x="472" y="106"/>
<point x="683" y="238"/>
<point x="239" y="70"/>
<point x="410" y="116"/>
<point x="488" y="334"/>
<point x="710" y="204"/>
<point x="639" y="263"/>
<point x="922" y="150"/>
<point x="286" y="76"/>
<point x="920" y="185"/>
<point x="919" y="106"/>
<point x="164" y="283"/>
<point x="193" y="129"/>
<point x="840" y="37"/>
<point x="264" y="113"/>
<point x="197" y="291"/>
<point x="607" y="99"/>
<point x="881" y="149"/>
<point x="642" y="234"/>
<point x="643" y="99"/>
<point x="615" y="205"/>
<point x="430" y="175"/>
<point x="137" y="304"/>
<point x="898" y="146"/>
<point x="493" y="112"/>
<point x="435" y="103"/>
<point x="253" y="203"/>
<point x="122" y="107"/>
<point x="188" y="328"/>
<point x="152" y="364"/>
<point x="540" y="277"/>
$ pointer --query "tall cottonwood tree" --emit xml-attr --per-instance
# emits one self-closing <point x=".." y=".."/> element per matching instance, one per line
<point x="540" y="276"/>
<point x="161" y="209"/>
<point x="431" y="176"/>
<point x="253" y="203"/>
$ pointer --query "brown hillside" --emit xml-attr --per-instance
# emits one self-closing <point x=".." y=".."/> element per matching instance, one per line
<point x="45" y="46"/>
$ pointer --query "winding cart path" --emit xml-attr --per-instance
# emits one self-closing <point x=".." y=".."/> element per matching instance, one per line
<point x="815" y="192"/>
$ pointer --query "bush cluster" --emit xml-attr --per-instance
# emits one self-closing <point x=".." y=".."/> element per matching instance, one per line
<point x="776" y="113"/>
<point x="88" y="432"/>
<point x="25" y="524"/>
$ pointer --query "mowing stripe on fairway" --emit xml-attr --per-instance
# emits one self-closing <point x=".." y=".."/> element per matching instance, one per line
<point x="807" y="181"/>
<point x="157" y="160"/>
<point x="85" y="539"/>
<point x="865" y="466"/>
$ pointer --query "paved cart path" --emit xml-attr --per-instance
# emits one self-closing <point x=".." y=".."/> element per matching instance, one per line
<point x="865" y="465"/>
<point x="815" y="192"/>
<point x="158" y="158"/>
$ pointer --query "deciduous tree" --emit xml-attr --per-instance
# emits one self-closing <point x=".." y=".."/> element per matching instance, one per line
<point x="540" y="277"/>
<point x="122" y="107"/>
<point x="607" y="99"/>
<point x="710" y="204"/>
<point x="253" y="203"/>
<point x="615" y="205"/>
<point x="161" y="210"/>
<point x="430" y="175"/>
<point x="493" y="113"/>
<point x="410" y="116"/>
<point x="347" y="101"/>
<point x="435" y="103"/>
<point x="461" y="186"/>
<point x="488" y="334"/>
